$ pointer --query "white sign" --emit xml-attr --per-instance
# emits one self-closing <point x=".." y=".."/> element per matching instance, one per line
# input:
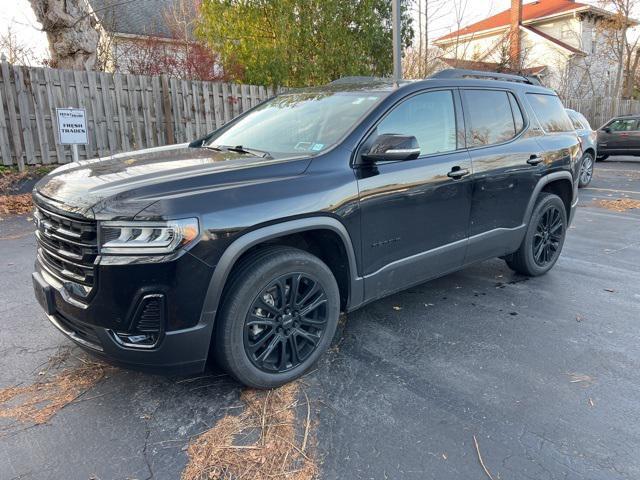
<point x="72" y="126"/>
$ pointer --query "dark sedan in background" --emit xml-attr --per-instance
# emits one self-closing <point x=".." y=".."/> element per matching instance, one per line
<point x="588" y="139"/>
<point x="619" y="136"/>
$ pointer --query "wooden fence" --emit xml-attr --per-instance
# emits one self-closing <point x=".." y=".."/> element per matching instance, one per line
<point x="123" y="112"/>
<point x="598" y="110"/>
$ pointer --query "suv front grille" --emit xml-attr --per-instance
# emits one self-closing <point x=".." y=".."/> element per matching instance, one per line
<point x="67" y="247"/>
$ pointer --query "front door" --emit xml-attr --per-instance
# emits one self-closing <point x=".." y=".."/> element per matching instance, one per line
<point x="622" y="136"/>
<point x="415" y="213"/>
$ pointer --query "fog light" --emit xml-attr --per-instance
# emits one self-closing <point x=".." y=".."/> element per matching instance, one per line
<point x="135" y="340"/>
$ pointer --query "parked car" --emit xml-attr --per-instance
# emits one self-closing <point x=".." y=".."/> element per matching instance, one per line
<point x="248" y="243"/>
<point x="589" y="140"/>
<point x="619" y="136"/>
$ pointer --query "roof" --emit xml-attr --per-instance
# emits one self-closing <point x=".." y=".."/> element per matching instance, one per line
<point x="134" y="17"/>
<point x="530" y="11"/>
<point x="492" y="67"/>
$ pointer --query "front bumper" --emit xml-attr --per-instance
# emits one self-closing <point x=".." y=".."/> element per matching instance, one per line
<point x="183" y="343"/>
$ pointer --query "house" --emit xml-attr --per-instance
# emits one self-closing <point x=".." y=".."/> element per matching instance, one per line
<point x="564" y="42"/>
<point x="141" y="36"/>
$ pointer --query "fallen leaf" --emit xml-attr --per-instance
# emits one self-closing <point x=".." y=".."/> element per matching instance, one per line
<point x="396" y="308"/>
<point x="610" y="290"/>
<point x="591" y="404"/>
<point x="579" y="318"/>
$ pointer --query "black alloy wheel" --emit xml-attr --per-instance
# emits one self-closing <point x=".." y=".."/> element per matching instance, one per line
<point x="543" y="239"/>
<point x="279" y="313"/>
<point x="285" y="322"/>
<point x="548" y="236"/>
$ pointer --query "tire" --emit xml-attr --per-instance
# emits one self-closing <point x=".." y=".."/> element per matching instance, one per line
<point x="257" y="341"/>
<point x="586" y="170"/>
<point x="540" y="231"/>
<point x="601" y="158"/>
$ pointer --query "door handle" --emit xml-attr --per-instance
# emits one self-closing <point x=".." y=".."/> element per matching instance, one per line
<point x="534" y="160"/>
<point x="457" y="172"/>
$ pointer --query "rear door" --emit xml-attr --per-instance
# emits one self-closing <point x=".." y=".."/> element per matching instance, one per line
<point x="504" y="179"/>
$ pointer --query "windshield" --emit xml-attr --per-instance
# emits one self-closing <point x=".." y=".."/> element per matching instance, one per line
<point x="297" y="123"/>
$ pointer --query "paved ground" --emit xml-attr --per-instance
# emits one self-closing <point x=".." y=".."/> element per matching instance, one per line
<point x="544" y="372"/>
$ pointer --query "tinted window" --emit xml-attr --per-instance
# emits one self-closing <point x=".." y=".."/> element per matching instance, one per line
<point x="550" y="112"/>
<point x="490" y="117"/>
<point x="430" y="117"/>
<point x="583" y="120"/>
<point x="622" y="125"/>
<point x="577" y="124"/>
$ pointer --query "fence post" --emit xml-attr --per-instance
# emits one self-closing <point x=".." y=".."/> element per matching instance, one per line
<point x="13" y="119"/>
<point x="167" y="110"/>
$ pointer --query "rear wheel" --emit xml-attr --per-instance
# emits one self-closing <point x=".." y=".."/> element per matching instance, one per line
<point x="586" y="170"/>
<point x="279" y="315"/>
<point x="544" y="238"/>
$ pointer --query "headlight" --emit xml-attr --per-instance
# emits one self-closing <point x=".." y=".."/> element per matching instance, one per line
<point x="140" y="238"/>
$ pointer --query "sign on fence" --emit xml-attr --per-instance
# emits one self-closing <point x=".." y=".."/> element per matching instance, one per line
<point x="120" y="112"/>
<point x="72" y="126"/>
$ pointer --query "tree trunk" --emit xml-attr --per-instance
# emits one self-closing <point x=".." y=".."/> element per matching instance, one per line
<point x="73" y="38"/>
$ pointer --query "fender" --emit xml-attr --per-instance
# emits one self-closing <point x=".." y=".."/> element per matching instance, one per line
<point x="551" y="177"/>
<point x="254" y="237"/>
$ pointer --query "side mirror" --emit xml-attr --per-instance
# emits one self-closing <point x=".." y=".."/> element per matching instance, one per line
<point x="390" y="147"/>
<point x="606" y="130"/>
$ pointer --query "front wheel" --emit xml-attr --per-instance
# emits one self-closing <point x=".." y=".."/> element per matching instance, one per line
<point x="586" y="170"/>
<point x="279" y="314"/>
<point x="544" y="238"/>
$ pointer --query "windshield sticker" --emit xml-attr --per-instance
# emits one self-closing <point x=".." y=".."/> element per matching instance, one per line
<point x="304" y="145"/>
<point x="316" y="147"/>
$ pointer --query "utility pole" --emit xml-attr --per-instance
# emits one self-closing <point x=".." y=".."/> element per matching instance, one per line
<point x="397" y="47"/>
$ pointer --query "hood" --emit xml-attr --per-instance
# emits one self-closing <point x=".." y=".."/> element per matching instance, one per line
<point x="124" y="184"/>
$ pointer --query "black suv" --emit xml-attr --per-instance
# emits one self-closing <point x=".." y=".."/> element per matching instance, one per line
<point x="248" y="243"/>
<point x="619" y="136"/>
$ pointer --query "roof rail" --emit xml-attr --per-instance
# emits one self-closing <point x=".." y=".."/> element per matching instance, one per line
<point x="355" y="79"/>
<point x="505" y="77"/>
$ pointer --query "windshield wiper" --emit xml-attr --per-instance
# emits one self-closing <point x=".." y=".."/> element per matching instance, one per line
<point x="243" y="150"/>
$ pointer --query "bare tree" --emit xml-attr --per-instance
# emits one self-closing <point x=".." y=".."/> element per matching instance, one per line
<point x="617" y="28"/>
<point x="15" y="50"/>
<point x="71" y="31"/>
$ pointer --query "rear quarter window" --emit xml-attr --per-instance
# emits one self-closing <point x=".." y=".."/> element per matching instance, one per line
<point x="550" y="113"/>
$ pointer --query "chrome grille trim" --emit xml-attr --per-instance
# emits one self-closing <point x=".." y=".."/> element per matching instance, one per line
<point x="67" y="247"/>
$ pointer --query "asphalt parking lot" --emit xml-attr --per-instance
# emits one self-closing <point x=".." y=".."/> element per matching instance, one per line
<point x="544" y="372"/>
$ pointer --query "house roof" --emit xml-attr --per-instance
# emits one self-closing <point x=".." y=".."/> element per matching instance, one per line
<point x="530" y="11"/>
<point x="492" y="67"/>
<point x="134" y="17"/>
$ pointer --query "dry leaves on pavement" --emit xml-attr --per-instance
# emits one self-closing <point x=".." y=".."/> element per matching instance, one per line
<point x="265" y="441"/>
<point x="38" y="402"/>
<point x="619" y="204"/>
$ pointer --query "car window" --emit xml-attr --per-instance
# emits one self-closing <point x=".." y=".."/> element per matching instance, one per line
<point x="623" y="125"/>
<point x="430" y="117"/>
<point x="577" y="124"/>
<point x="550" y="112"/>
<point x="489" y="116"/>
<point x="302" y="123"/>
<point x="583" y="120"/>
